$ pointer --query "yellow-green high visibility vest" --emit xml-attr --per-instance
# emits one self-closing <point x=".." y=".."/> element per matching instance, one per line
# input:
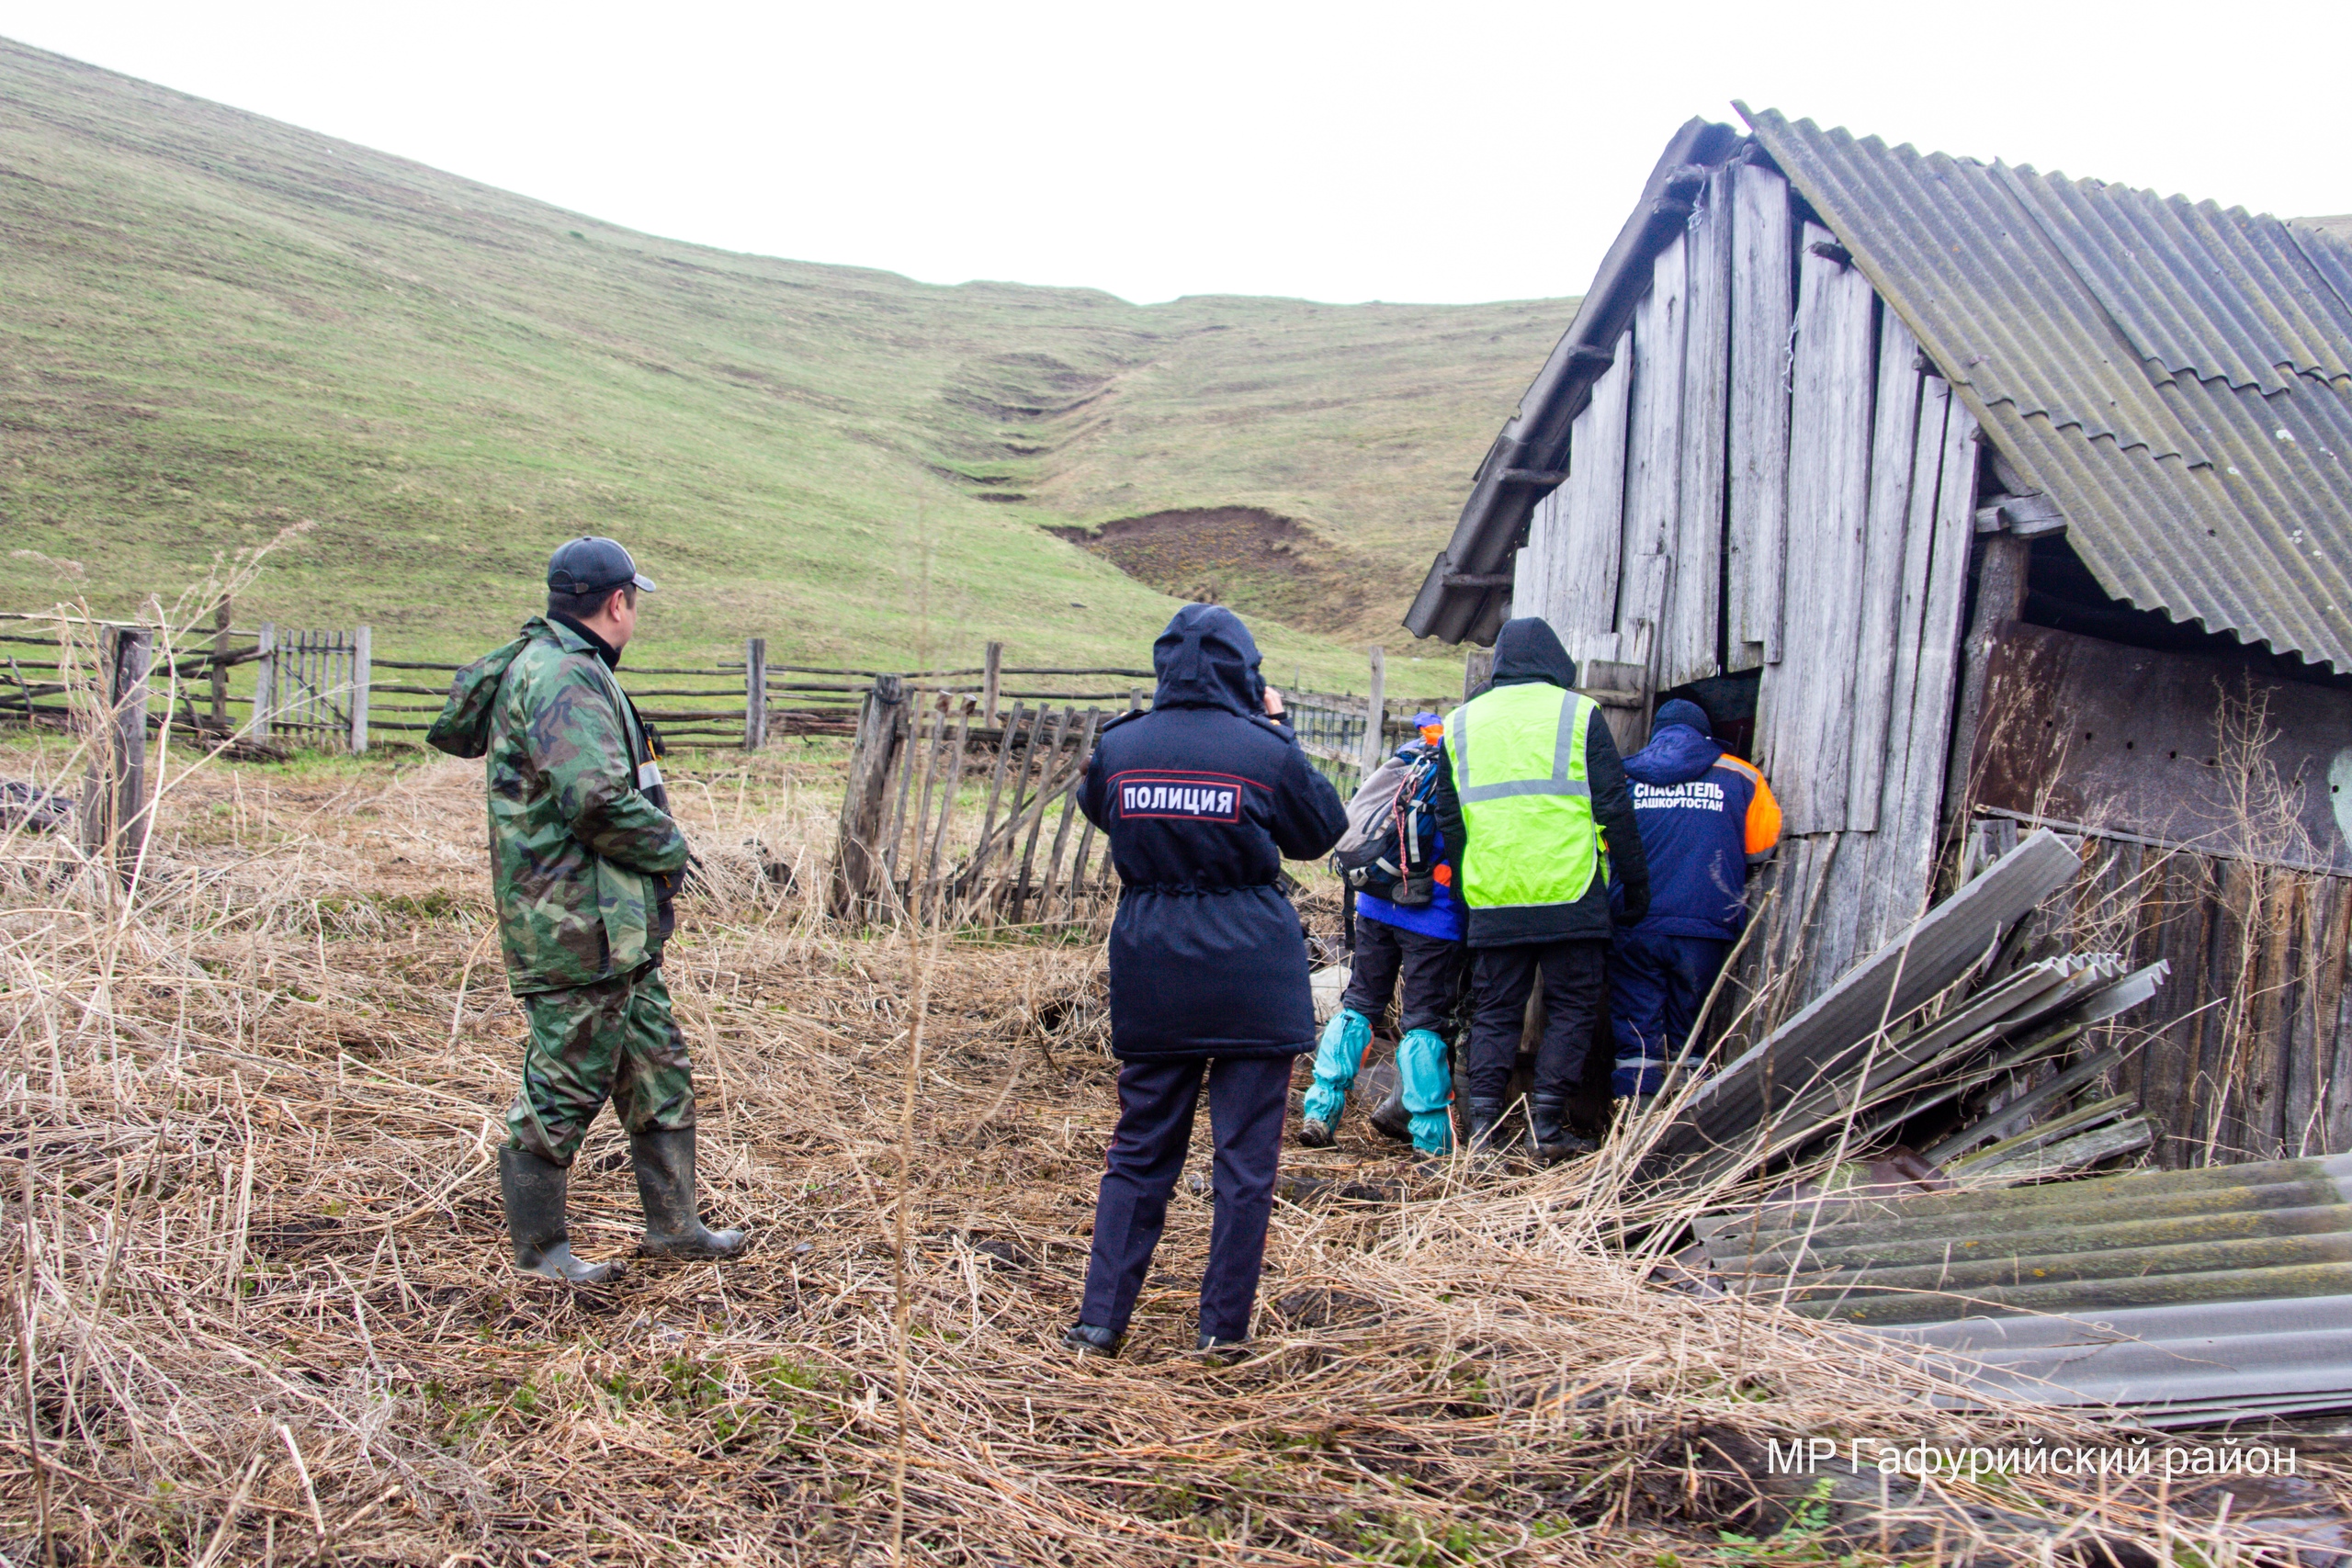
<point x="1518" y="756"/>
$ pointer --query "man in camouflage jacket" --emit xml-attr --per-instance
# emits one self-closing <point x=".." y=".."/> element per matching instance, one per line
<point x="584" y="857"/>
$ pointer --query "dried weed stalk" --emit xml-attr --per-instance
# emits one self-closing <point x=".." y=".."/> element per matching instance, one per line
<point x="264" y="1311"/>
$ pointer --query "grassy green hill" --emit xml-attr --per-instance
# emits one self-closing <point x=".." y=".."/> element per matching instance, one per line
<point x="212" y="325"/>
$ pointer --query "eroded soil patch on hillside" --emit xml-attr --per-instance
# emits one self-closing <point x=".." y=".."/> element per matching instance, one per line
<point x="1258" y="561"/>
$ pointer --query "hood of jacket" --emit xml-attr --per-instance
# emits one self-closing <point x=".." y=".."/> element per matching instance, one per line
<point x="1676" y="754"/>
<point x="1207" y="658"/>
<point x="1528" y="650"/>
<point x="463" y="728"/>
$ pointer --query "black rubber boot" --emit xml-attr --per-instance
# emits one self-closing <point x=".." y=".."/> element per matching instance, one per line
<point x="1547" y="1125"/>
<point x="1389" y="1118"/>
<point x="532" y="1190"/>
<point x="1089" y="1340"/>
<point x="1485" y="1115"/>
<point x="665" y="1185"/>
<point x="1314" y="1134"/>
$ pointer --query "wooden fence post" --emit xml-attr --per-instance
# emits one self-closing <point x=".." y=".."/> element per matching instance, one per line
<point x="264" y="678"/>
<point x="991" y="681"/>
<point x="755" y="693"/>
<point x="1477" y="670"/>
<point x="857" y="867"/>
<point x="1375" y="725"/>
<point x="360" y="650"/>
<point x="220" y="671"/>
<point x="114" y="799"/>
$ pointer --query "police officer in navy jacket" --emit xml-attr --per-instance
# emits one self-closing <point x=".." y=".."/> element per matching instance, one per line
<point x="1201" y="799"/>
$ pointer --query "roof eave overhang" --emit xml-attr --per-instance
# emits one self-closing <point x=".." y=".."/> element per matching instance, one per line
<point x="1467" y="593"/>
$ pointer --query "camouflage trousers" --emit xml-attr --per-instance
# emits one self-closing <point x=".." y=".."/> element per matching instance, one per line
<point x="613" y="1039"/>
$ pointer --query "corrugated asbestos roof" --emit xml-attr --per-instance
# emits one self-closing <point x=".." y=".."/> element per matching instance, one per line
<point x="2177" y="377"/>
<point x="2186" y="1296"/>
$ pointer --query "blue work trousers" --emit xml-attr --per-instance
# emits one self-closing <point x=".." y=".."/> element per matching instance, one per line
<point x="1157" y="1100"/>
<point x="1655" y="984"/>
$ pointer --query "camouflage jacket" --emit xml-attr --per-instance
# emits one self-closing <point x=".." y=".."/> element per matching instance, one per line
<point x="580" y="846"/>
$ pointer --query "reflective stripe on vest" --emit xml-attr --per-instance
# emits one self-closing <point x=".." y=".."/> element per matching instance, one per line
<point x="1518" y="754"/>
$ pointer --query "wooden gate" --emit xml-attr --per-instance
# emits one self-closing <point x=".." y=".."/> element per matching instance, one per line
<point x="312" y="688"/>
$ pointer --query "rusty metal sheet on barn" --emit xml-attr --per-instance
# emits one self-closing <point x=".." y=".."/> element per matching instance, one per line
<point x="2157" y="744"/>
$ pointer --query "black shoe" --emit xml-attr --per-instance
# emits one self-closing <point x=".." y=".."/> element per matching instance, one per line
<point x="1547" y="1126"/>
<point x="1484" y="1116"/>
<point x="1390" y="1119"/>
<point x="1314" y="1134"/>
<point x="665" y="1186"/>
<point x="1211" y="1345"/>
<point x="1089" y="1340"/>
<point x="533" y="1191"/>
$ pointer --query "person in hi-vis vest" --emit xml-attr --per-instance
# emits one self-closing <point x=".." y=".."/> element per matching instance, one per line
<point x="1533" y="794"/>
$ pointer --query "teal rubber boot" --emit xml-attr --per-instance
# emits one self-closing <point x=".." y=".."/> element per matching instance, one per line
<point x="1425" y="1067"/>
<point x="1337" y="1056"/>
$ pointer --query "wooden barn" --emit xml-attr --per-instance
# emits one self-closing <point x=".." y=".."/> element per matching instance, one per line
<point x="1968" y="498"/>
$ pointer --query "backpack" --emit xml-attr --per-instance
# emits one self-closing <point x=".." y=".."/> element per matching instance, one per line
<point x="1389" y="849"/>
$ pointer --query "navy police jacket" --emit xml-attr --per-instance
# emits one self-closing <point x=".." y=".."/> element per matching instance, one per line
<point x="1201" y="799"/>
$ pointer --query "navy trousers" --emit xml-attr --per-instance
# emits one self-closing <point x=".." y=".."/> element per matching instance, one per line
<point x="1157" y="1099"/>
<point x="1655" y="984"/>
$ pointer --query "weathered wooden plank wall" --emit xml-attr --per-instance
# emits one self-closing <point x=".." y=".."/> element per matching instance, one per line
<point x="1805" y="708"/>
<point x="1893" y="462"/>
<point x="1687" y="647"/>
<point x="1769" y="475"/>
<point x="1582" y="595"/>
<point x="1653" y="455"/>
<point x="1763" y="301"/>
<point x="1567" y="572"/>
<point x="1770" y="478"/>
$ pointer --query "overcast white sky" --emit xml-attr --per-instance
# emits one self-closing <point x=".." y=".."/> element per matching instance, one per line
<point x="1339" y="152"/>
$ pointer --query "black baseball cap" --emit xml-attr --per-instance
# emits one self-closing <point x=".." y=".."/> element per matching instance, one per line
<point x="589" y="562"/>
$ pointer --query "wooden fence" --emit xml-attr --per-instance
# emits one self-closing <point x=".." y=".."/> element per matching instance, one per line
<point x="962" y="811"/>
<point x="328" y="689"/>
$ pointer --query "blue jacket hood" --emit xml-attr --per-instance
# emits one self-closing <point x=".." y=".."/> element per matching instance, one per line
<point x="1207" y="658"/>
<point x="1676" y="754"/>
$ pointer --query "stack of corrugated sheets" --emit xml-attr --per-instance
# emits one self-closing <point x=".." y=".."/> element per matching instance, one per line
<point x="2183" y="1297"/>
<point x="1921" y="1022"/>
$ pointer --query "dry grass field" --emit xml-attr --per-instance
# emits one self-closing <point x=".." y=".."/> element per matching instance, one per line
<point x="261" y="1311"/>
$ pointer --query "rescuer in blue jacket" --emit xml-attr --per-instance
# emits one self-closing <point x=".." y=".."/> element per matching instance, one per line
<point x="1201" y="799"/>
<point x="1706" y="820"/>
